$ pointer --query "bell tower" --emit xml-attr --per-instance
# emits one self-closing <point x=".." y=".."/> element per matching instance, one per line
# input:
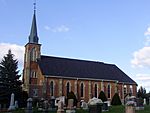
<point x="32" y="54"/>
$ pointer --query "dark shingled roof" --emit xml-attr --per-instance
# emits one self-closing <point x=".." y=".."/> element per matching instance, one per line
<point x="55" y="66"/>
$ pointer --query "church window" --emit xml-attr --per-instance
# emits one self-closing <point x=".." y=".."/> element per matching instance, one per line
<point x="33" y="54"/>
<point x="96" y="90"/>
<point x="109" y="91"/>
<point x="82" y="90"/>
<point x="131" y="89"/>
<point x="125" y="89"/>
<point x="52" y="88"/>
<point x="33" y="74"/>
<point x="68" y="88"/>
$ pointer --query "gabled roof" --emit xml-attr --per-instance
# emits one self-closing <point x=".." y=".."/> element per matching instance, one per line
<point x="65" y="67"/>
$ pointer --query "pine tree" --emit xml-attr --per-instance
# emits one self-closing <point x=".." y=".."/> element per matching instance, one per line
<point x="102" y="96"/>
<point x="9" y="78"/>
<point x="116" y="100"/>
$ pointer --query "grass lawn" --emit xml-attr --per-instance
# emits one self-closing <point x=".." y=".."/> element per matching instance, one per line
<point x="112" y="109"/>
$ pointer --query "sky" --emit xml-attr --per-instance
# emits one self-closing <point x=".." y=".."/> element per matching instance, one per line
<point x="111" y="31"/>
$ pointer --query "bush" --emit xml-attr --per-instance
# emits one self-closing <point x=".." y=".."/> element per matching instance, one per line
<point x="116" y="100"/>
<point x="102" y="96"/>
<point x="71" y="95"/>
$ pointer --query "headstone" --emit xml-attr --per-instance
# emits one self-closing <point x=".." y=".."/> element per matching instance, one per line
<point x="84" y="106"/>
<point x="12" y="105"/>
<point x="45" y="106"/>
<point x="139" y="104"/>
<point x="29" y="105"/>
<point x="40" y="104"/>
<point x="95" y="105"/>
<point x="70" y="107"/>
<point x="105" y="106"/>
<point x="16" y="104"/>
<point x="60" y="107"/>
<point x="130" y="109"/>
<point x="144" y="101"/>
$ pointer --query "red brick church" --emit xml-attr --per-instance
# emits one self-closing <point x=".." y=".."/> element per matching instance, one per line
<point x="51" y="77"/>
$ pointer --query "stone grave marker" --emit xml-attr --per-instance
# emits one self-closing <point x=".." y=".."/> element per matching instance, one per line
<point x="29" y="105"/>
<point x="60" y="107"/>
<point x="70" y="107"/>
<point x="12" y="105"/>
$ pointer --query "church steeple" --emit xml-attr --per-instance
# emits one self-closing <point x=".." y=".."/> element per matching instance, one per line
<point x="33" y="37"/>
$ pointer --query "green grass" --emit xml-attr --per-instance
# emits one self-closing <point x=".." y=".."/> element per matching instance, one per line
<point x="112" y="109"/>
<point x="116" y="109"/>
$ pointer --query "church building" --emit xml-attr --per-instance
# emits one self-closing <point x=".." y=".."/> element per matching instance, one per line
<point x="50" y="77"/>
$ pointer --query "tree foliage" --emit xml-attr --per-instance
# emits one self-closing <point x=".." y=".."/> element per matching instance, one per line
<point x="141" y="93"/>
<point x="9" y="78"/>
<point x="102" y="96"/>
<point x="71" y="95"/>
<point x="116" y="100"/>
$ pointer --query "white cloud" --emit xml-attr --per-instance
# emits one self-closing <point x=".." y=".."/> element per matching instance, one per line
<point x="47" y="27"/>
<point x="17" y="50"/>
<point x="61" y="28"/>
<point x="143" y="80"/>
<point x="141" y="58"/>
<point x="147" y="41"/>
<point x="147" y="32"/>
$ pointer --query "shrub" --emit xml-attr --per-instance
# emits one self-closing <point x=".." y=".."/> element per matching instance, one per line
<point x="102" y="96"/>
<point x="71" y="95"/>
<point x="116" y="100"/>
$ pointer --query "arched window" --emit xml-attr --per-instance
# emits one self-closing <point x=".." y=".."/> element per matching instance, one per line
<point x="95" y="90"/>
<point x="33" y="74"/>
<point x="131" y="89"/>
<point x="82" y="90"/>
<point x="51" y="88"/>
<point x="68" y="88"/>
<point x="33" y="54"/>
<point x="125" y="89"/>
<point x="108" y="91"/>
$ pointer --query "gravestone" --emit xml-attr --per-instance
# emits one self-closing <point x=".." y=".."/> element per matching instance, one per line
<point x="105" y="106"/>
<point x="95" y="105"/>
<point x="16" y="104"/>
<point x="70" y="107"/>
<point x="45" y="106"/>
<point x="29" y="105"/>
<point x="40" y="104"/>
<point x="12" y="105"/>
<point x="84" y="105"/>
<point x="130" y="107"/>
<point x="139" y="104"/>
<point x="144" y="101"/>
<point x="52" y="104"/>
<point x="60" y="107"/>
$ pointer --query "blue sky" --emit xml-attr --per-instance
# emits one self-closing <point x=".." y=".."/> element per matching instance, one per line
<point x="110" y="31"/>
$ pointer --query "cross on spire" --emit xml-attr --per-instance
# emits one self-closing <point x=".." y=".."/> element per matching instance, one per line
<point x="33" y="37"/>
<point x="34" y="6"/>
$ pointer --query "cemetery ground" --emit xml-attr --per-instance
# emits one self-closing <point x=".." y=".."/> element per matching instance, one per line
<point x="112" y="109"/>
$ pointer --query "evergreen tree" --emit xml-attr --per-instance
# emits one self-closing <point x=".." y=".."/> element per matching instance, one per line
<point x="116" y="100"/>
<point x="9" y="78"/>
<point x="141" y="93"/>
<point x="71" y="95"/>
<point x="102" y="96"/>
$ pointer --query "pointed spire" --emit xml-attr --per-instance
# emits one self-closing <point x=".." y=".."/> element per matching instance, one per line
<point x="33" y="37"/>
